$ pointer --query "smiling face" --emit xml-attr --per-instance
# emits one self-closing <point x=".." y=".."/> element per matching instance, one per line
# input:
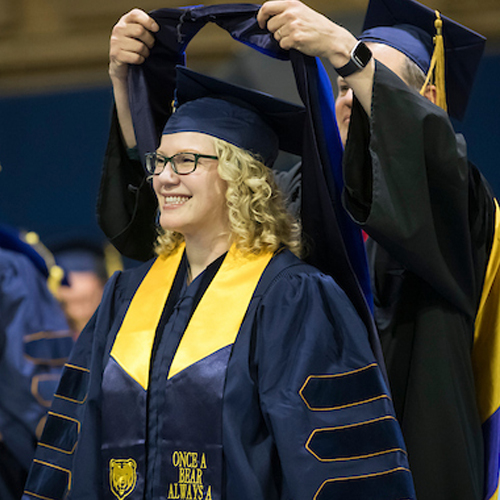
<point x="194" y="204"/>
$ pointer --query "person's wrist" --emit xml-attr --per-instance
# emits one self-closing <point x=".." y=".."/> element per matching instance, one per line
<point x="341" y="45"/>
<point x="118" y="71"/>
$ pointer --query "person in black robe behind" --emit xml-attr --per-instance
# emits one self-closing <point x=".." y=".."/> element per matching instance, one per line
<point x="430" y="217"/>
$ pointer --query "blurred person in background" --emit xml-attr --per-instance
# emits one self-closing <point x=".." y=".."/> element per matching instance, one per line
<point x="88" y="264"/>
<point x="35" y="344"/>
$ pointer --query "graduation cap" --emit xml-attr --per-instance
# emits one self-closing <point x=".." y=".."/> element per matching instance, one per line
<point x="79" y="255"/>
<point x="13" y="240"/>
<point x="413" y="29"/>
<point x="251" y="120"/>
<point x="88" y="254"/>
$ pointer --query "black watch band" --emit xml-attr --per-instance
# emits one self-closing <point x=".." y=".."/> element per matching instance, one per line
<point x="360" y="56"/>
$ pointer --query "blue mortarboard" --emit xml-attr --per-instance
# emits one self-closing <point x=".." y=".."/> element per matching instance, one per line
<point x="80" y="255"/>
<point x="408" y="26"/>
<point x="252" y="120"/>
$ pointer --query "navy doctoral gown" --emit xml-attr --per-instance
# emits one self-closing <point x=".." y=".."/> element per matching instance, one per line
<point x="296" y="408"/>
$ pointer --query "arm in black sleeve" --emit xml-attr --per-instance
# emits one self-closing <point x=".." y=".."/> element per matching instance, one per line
<point x="126" y="206"/>
<point x="408" y="183"/>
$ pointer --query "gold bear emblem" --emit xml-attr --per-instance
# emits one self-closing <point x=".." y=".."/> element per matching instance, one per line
<point x="122" y="477"/>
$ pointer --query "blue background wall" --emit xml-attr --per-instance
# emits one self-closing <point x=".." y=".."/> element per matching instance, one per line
<point x="481" y="125"/>
<point x="52" y="146"/>
<point x="51" y="151"/>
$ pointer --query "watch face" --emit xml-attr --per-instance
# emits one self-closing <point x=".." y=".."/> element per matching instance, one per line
<point x="362" y="54"/>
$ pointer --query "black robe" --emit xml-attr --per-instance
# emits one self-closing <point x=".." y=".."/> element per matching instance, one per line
<point x="430" y="216"/>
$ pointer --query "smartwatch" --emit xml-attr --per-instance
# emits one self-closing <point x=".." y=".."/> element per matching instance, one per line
<point x="360" y="56"/>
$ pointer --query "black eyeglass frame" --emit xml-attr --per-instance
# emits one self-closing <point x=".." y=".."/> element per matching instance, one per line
<point x="151" y="157"/>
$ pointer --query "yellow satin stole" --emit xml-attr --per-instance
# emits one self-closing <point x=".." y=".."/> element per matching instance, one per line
<point x="214" y="324"/>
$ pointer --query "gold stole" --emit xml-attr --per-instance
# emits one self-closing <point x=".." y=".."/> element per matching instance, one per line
<point x="214" y="324"/>
<point x="486" y="352"/>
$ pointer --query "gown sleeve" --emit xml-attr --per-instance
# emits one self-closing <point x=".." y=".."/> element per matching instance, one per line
<point x="68" y="455"/>
<point x="37" y="342"/>
<point x="289" y="183"/>
<point x="323" y="396"/>
<point x="409" y="184"/>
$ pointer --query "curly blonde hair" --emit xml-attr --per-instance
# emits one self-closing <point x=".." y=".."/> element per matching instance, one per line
<point x="258" y="218"/>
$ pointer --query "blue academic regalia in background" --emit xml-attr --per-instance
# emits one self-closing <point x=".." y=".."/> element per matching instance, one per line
<point x="35" y="343"/>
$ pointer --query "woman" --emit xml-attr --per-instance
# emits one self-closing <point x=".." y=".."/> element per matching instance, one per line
<point x="226" y="367"/>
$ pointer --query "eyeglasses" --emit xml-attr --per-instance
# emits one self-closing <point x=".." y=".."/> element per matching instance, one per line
<point x="181" y="163"/>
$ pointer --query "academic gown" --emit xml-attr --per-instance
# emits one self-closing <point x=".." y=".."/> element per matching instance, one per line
<point x="305" y="412"/>
<point x="36" y="342"/>
<point x="429" y="215"/>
